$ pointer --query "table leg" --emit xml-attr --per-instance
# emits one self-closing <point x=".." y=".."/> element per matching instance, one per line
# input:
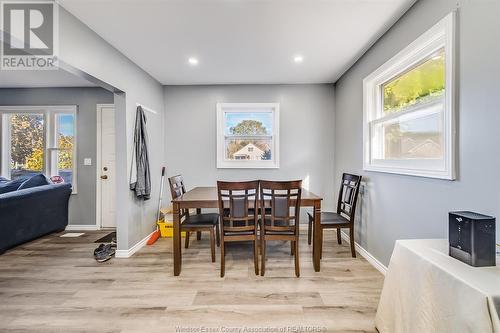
<point x="177" y="240"/>
<point x="317" y="236"/>
<point x="198" y="233"/>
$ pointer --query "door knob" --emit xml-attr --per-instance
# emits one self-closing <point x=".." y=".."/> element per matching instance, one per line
<point x="104" y="177"/>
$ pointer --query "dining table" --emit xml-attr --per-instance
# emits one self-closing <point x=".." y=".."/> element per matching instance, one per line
<point x="207" y="197"/>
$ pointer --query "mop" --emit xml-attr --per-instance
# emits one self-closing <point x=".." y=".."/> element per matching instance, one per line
<point x="156" y="234"/>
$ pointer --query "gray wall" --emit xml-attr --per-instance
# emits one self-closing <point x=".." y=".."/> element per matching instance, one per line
<point x="82" y="205"/>
<point x="394" y="206"/>
<point x="306" y="133"/>
<point x="81" y="48"/>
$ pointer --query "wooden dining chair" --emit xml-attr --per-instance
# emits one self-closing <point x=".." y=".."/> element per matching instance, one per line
<point x="346" y="211"/>
<point x="237" y="202"/>
<point x="195" y="222"/>
<point x="280" y="217"/>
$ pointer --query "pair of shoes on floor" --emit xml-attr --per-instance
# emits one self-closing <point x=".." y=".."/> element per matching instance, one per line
<point x="104" y="252"/>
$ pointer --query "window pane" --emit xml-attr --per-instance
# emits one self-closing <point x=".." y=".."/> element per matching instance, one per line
<point x="248" y="123"/>
<point x="26" y="146"/>
<point x="415" y="136"/>
<point x="65" y="165"/>
<point x="248" y="149"/>
<point x="65" y="143"/>
<point x="419" y="85"/>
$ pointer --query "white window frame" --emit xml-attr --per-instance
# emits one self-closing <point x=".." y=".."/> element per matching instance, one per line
<point x="49" y="113"/>
<point x="440" y="36"/>
<point x="222" y="162"/>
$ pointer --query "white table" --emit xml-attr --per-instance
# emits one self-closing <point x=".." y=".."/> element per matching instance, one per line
<point x="425" y="290"/>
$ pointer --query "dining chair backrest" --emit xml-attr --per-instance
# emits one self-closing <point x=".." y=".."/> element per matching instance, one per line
<point x="282" y="200"/>
<point x="177" y="189"/>
<point x="237" y="205"/>
<point x="348" y="196"/>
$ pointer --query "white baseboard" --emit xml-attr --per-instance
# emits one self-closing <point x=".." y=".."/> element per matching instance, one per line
<point x="367" y="255"/>
<point x="130" y="252"/>
<point x="81" y="227"/>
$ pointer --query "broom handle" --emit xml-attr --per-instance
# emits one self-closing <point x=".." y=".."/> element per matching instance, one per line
<point x="161" y="194"/>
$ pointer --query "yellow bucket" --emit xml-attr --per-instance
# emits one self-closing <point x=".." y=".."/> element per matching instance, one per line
<point x="166" y="226"/>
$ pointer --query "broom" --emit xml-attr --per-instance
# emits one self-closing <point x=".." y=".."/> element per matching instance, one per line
<point x="156" y="234"/>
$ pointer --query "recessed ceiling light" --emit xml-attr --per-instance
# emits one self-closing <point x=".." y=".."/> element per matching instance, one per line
<point x="298" y="59"/>
<point x="193" y="61"/>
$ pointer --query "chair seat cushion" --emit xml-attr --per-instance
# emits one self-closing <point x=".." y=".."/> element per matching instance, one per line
<point x="199" y="220"/>
<point x="330" y="218"/>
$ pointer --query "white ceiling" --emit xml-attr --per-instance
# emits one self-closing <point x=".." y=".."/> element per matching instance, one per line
<point x="240" y="41"/>
<point x="41" y="79"/>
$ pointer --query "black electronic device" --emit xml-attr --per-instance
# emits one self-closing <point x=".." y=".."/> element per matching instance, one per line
<point x="472" y="238"/>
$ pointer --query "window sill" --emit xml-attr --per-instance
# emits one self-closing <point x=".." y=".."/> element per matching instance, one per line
<point x="445" y="175"/>
<point x="230" y="165"/>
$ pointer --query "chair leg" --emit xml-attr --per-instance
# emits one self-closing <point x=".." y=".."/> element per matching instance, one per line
<point x="292" y="247"/>
<point x="186" y="241"/>
<point x="222" y="259"/>
<point x="217" y="234"/>
<point x="321" y="243"/>
<point x="309" y="230"/>
<point x="256" y="255"/>
<point x="296" y="250"/>
<point x="339" y="236"/>
<point x="351" y="237"/>
<point x="262" y="256"/>
<point x="212" y="244"/>
<point x="198" y="235"/>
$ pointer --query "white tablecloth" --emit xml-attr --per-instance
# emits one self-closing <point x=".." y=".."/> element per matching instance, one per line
<point x="425" y="290"/>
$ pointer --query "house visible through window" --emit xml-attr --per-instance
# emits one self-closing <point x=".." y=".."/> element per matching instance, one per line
<point x="409" y="108"/>
<point x="39" y="140"/>
<point x="247" y="135"/>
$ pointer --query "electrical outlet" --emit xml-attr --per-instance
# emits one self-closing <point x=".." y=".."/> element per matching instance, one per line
<point x="87" y="161"/>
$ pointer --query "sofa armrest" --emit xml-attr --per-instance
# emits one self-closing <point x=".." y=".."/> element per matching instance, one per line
<point x="32" y="212"/>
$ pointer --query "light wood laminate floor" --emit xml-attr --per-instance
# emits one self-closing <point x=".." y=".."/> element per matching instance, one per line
<point x="53" y="284"/>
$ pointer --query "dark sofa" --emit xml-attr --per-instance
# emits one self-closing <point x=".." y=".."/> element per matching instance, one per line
<point x="30" y="213"/>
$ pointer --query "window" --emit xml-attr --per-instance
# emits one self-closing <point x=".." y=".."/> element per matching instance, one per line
<point x="247" y="135"/>
<point x="63" y="151"/>
<point x="39" y="140"/>
<point x="409" y="108"/>
<point x="26" y="149"/>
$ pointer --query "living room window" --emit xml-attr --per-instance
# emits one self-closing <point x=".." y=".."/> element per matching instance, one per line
<point x="247" y="135"/>
<point x="39" y="140"/>
<point x="409" y="108"/>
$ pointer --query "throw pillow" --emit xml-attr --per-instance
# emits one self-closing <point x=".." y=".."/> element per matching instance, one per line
<point x="36" y="180"/>
<point x="11" y="185"/>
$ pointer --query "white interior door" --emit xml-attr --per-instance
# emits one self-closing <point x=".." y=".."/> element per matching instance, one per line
<point x="107" y="172"/>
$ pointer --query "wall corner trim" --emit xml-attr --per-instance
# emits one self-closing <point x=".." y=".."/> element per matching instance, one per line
<point x="130" y="252"/>
<point x="81" y="227"/>
<point x="367" y="255"/>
